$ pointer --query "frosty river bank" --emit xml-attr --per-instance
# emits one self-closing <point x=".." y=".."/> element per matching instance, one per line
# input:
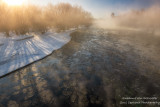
<point x="19" y="51"/>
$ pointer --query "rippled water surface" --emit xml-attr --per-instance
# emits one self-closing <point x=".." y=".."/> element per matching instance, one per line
<point x="96" y="68"/>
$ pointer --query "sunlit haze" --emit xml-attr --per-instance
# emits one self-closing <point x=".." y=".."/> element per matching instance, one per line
<point x="14" y="2"/>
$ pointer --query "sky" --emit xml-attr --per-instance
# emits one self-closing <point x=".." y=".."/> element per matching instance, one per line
<point x="102" y="8"/>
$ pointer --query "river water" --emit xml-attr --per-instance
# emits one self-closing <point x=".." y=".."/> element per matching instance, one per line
<point x="97" y="67"/>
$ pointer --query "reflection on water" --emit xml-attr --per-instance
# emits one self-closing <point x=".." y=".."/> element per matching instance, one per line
<point x="91" y="70"/>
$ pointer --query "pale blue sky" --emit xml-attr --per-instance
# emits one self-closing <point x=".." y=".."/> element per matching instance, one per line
<point x="101" y="8"/>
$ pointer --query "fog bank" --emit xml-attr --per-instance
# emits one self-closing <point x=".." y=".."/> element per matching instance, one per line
<point x="144" y="19"/>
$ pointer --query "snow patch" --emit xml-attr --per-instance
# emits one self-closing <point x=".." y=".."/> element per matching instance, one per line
<point x="17" y="52"/>
<point x="22" y="37"/>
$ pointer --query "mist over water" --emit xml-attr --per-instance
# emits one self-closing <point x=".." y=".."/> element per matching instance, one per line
<point x="143" y="19"/>
<point x="137" y="28"/>
<point x="147" y="20"/>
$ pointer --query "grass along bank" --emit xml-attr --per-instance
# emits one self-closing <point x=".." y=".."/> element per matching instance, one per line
<point x="32" y="18"/>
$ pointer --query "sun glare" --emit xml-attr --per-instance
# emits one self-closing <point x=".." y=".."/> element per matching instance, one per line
<point x="14" y="2"/>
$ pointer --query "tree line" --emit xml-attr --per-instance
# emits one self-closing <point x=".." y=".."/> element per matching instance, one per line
<point x="26" y="18"/>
